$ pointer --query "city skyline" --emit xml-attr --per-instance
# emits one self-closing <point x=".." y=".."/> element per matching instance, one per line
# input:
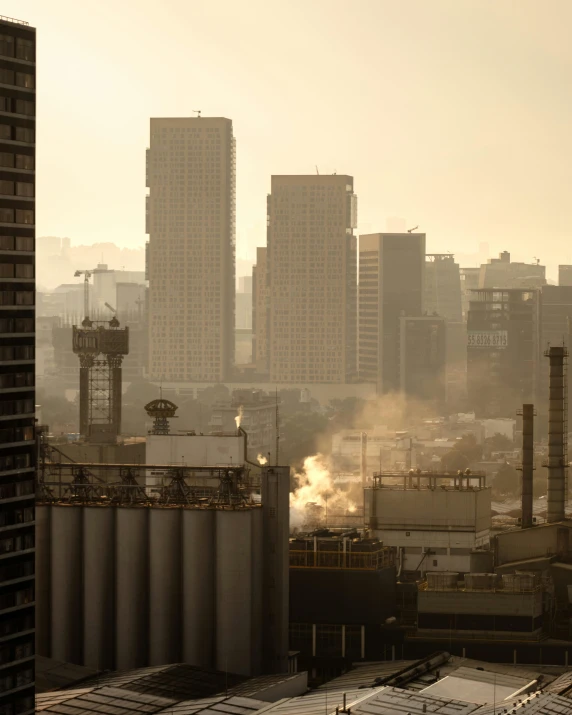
<point x="456" y="143"/>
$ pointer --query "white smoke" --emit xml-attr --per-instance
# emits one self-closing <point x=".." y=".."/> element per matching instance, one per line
<point x="238" y="418"/>
<point x="262" y="459"/>
<point x="316" y="491"/>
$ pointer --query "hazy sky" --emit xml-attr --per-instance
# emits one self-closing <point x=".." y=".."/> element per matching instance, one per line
<point x="454" y="114"/>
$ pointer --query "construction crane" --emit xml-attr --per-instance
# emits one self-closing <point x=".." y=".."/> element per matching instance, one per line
<point x="197" y="112"/>
<point x="87" y="275"/>
<point x="111" y="308"/>
<point x="410" y="230"/>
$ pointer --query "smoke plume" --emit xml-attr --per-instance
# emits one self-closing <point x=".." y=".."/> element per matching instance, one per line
<point x="315" y="488"/>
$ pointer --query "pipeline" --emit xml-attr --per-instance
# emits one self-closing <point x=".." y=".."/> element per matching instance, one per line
<point x="410" y="672"/>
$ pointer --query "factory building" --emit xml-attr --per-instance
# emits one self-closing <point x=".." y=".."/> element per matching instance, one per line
<point x="391" y="277"/>
<point x="436" y="521"/>
<point x="342" y="590"/>
<point x="503" y="350"/>
<point x="126" y="581"/>
<point x="423" y="359"/>
<point x="481" y="605"/>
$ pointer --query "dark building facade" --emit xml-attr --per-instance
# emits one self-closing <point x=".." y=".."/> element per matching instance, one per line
<point x="17" y="364"/>
<point x="423" y="359"/>
<point x="503" y="350"/>
<point x="391" y="279"/>
<point x="442" y="287"/>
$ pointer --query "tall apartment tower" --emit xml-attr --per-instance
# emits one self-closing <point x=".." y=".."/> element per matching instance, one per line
<point x="191" y="256"/>
<point x="442" y="287"/>
<point x="391" y="277"/>
<point x="312" y="279"/>
<point x="17" y="403"/>
<point x="260" y="311"/>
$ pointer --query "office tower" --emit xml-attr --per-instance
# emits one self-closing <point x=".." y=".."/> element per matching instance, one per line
<point x="469" y="282"/>
<point x="555" y="325"/>
<point x="260" y="312"/>
<point x="503" y="343"/>
<point x="442" y="287"/>
<point x="564" y="275"/>
<point x="502" y="273"/>
<point x="423" y="359"/>
<point x="17" y="403"/>
<point x="312" y="279"/>
<point x="391" y="267"/>
<point x="191" y="261"/>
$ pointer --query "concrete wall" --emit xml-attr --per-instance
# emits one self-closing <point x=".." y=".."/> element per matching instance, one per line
<point x="430" y="509"/>
<point x="538" y="541"/>
<point x="480" y="602"/>
<point x="200" y="450"/>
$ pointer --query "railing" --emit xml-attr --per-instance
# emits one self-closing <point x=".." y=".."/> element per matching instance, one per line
<point x="13" y="19"/>
<point x="362" y="560"/>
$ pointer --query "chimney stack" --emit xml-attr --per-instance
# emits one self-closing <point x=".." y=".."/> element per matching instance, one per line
<point x="557" y="434"/>
<point x="527" y="467"/>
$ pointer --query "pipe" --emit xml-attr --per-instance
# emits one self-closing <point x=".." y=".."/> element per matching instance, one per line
<point x="527" y="464"/>
<point x="245" y="436"/>
<point x="557" y="434"/>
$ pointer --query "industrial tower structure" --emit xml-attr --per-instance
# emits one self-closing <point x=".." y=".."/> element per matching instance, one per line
<point x="101" y="347"/>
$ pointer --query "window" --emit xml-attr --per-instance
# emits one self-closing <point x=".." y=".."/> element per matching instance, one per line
<point x="24" y="188"/>
<point x="24" y="243"/>
<point x="5" y="131"/>
<point x="23" y="79"/>
<point x="6" y="242"/>
<point x="24" y="134"/>
<point x="25" y="50"/>
<point x="6" y="76"/>
<point x="6" y="46"/>
<point x="23" y="161"/>
<point x="6" y="215"/>
<point x="7" y="187"/>
<point x="24" y="107"/>
<point x="24" y="216"/>
<point x="6" y="159"/>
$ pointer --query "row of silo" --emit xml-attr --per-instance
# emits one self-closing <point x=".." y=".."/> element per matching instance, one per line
<point x="149" y="585"/>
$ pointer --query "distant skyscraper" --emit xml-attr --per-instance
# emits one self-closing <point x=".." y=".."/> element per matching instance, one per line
<point x="501" y="272"/>
<point x="260" y="311"/>
<point x="312" y="279"/>
<point x="17" y="400"/>
<point x="391" y="268"/>
<point x="503" y="350"/>
<point x="191" y="259"/>
<point x="442" y="287"/>
<point x="423" y="359"/>
<point x="564" y="275"/>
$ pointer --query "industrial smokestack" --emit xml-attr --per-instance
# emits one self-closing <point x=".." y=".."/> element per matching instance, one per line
<point x="557" y="434"/>
<point x="527" y="467"/>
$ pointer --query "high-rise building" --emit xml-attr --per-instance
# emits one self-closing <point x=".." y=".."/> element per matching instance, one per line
<point x="442" y="287"/>
<point x="501" y="272"/>
<point x="260" y="311"/>
<point x="503" y="350"/>
<point x="17" y="401"/>
<point x="312" y="279"/>
<point x="469" y="282"/>
<point x="191" y="259"/>
<point x="391" y="268"/>
<point x="423" y="359"/>
<point x="564" y="275"/>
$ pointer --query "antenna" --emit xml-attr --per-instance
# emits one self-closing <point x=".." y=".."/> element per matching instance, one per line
<point x="410" y="230"/>
<point x="197" y="112"/>
<point x="317" y="170"/>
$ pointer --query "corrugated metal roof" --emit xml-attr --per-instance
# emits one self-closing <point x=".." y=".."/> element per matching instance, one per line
<point x="394" y="701"/>
<point x="543" y="704"/>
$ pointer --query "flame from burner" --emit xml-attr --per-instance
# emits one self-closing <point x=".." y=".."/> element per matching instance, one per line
<point x="238" y="418"/>
<point x="262" y="459"/>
